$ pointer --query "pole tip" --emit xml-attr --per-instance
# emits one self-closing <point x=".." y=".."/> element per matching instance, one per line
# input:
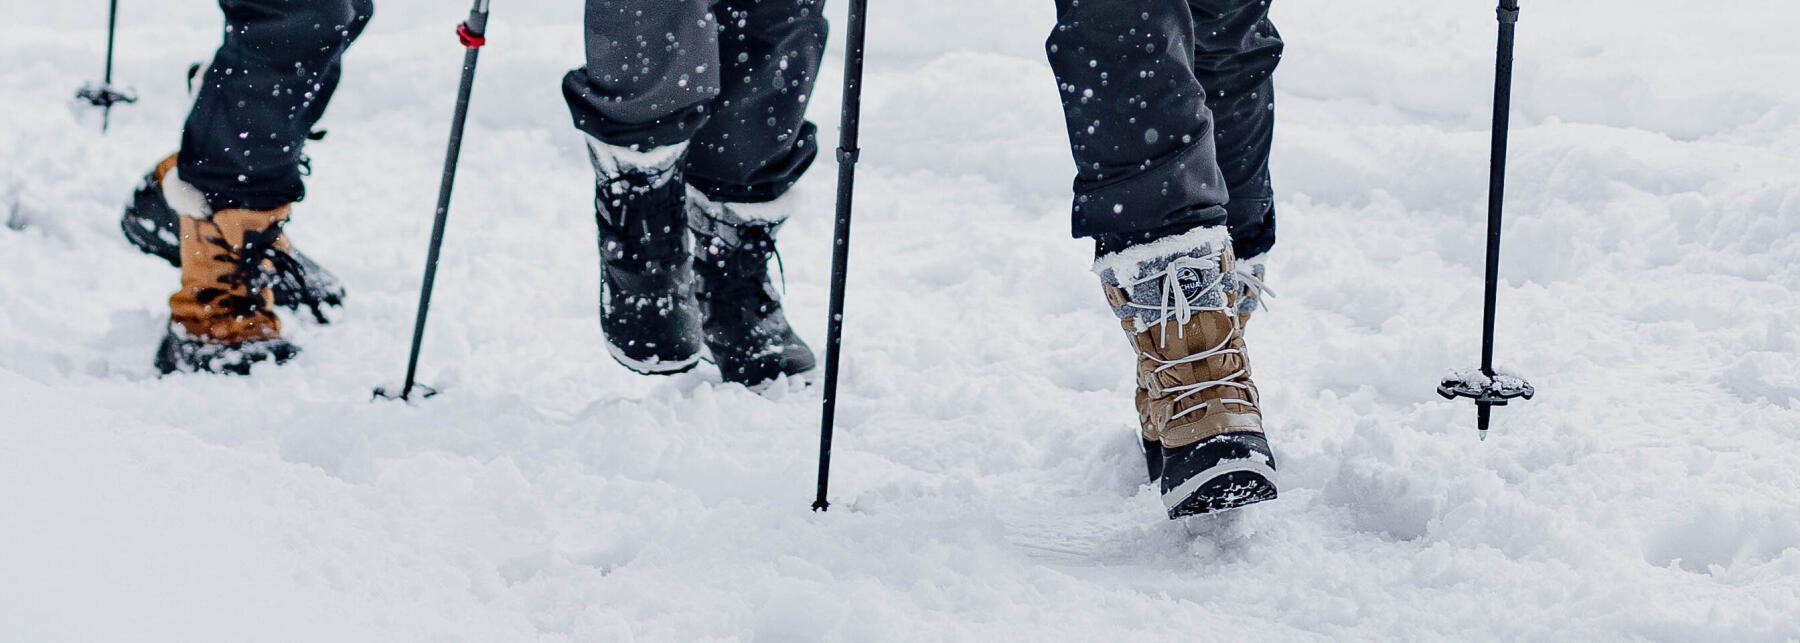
<point x="821" y="506"/>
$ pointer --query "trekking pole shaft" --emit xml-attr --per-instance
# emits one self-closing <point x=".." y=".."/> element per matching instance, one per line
<point x="471" y="32"/>
<point x="1503" y="72"/>
<point x="840" y="252"/>
<point x="112" y="27"/>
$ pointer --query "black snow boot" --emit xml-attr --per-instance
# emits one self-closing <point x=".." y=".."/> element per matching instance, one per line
<point x="647" y="306"/>
<point x="152" y="222"/>
<point x="746" y="332"/>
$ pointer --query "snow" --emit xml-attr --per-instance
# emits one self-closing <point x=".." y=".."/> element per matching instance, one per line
<point x="986" y="482"/>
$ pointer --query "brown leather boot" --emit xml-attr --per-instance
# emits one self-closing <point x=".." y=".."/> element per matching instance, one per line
<point x="223" y="318"/>
<point x="152" y="222"/>
<point x="1177" y="299"/>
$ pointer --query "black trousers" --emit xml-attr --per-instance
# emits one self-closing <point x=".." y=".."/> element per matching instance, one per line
<point x="730" y="77"/>
<point x="267" y="86"/>
<point x="1170" y="110"/>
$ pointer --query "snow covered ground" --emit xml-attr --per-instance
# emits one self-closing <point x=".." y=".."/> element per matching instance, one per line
<point x="986" y="481"/>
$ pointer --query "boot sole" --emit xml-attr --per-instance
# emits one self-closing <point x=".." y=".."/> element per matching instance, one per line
<point x="660" y="367"/>
<point x="1226" y="486"/>
<point x="807" y="377"/>
<point x="175" y="355"/>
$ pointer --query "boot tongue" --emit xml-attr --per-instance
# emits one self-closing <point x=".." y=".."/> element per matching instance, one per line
<point x="261" y="227"/>
<point x="739" y="259"/>
<point x="1197" y="283"/>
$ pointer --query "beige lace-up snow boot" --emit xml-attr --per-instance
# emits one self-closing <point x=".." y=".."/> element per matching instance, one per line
<point x="1178" y="301"/>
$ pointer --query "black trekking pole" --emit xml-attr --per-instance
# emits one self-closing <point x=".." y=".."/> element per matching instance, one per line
<point x="471" y="32"/>
<point x="105" y="95"/>
<point x="1487" y="387"/>
<point x="847" y="153"/>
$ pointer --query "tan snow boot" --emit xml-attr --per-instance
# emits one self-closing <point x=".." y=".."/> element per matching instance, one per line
<point x="1177" y="299"/>
<point x="223" y="318"/>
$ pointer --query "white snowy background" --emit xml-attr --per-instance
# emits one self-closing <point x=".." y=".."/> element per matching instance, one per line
<point x="987" y="485"/>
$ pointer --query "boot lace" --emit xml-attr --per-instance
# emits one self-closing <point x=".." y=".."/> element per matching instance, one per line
<point x="285" y="267"/>
<point x="1253" y="286"/>
<point x="738" y="249"/>
<point x="747" y="260"/>
<point x="1176" y="307"/>
<point x="250" y="275"/>
<point x="245" y="275"/>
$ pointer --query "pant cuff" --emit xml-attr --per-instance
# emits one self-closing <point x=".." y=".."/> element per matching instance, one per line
<point x="1182" y="190"/>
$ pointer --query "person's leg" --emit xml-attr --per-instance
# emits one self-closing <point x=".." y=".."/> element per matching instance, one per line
<point x="1150" y="190"/>
<point x="1237" y="50"/>
<point x="258" y="100"/>
<point x="363" y="11"/>
<point x="217" y="208"/>
<point x="1139" y="127"/>
<point x="758" y="142"/>
<point x="753" y="149"/>
<point x="652" y="72"/>
<point x="651" y="77"/>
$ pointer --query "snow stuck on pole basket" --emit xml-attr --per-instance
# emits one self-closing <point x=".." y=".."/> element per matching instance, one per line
<point x="104" y="95"/>
<point x="1486" y="386"/>
<point x="847" y="154"/>
<point x="473" y="34"/>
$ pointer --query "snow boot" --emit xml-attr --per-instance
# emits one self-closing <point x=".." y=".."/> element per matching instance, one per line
<point x="1177" y="299"/>
<point x="152" y="222"/>
<point x="222" y="320"/>
<point x="647" y="306"/>
<point x="747" y="335"/>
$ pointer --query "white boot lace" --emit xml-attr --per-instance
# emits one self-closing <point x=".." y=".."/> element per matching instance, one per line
<point x="1253" y="286"/>
<point x="1177" y="308"/>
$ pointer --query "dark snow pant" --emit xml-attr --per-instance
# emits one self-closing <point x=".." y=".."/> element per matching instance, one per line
<point x="1170" y="109"/>
<point x="258" y="102"/>
<point x="731" y="77"/>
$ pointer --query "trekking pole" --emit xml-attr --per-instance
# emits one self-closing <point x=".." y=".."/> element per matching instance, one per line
<point x="847" y="154"/>
<point x="105" y="95"/>
<point x="1487" y="387"/>
<point x="471" y="32"/>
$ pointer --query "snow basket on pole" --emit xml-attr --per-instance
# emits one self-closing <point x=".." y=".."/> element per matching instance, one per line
<point x="1486" y="386"/>
<point x="104" y="95"/>
<point x="847" y="154"/>
<point x="472" y="33"/>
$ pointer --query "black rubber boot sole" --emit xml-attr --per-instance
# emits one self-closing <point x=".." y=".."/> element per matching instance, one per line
<point x="659" y="367"/>
<point x="1218" y="474"/>
<point x="179" y="354"/>
<point x="1226" y="492"/>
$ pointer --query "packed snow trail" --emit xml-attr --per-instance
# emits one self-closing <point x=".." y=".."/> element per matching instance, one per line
<point x="986" y="483"/>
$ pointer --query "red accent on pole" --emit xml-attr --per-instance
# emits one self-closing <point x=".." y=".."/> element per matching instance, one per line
<point x="468" y="38"/>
